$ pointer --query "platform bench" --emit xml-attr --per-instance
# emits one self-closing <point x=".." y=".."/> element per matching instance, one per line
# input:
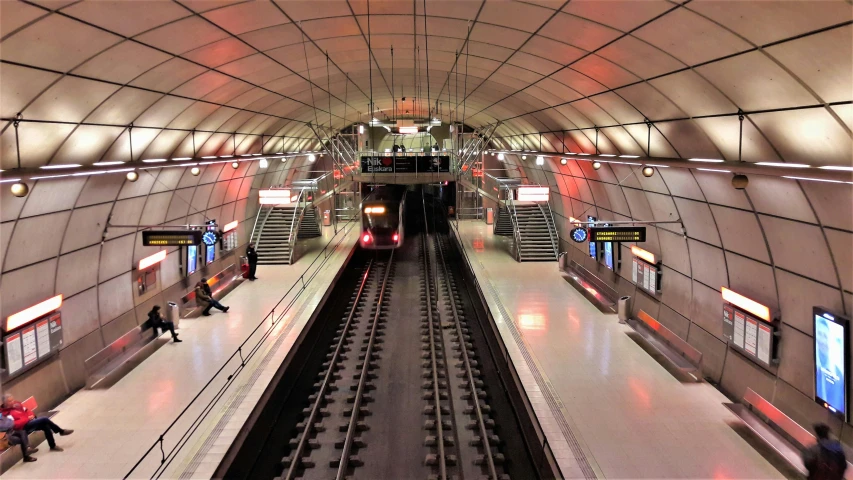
<point x="12" y="455"/>
<point x="230" y="277"/>
<point x="777" y="430"/>
<point x="110" y="364"/>
<point x="683" y="356"/>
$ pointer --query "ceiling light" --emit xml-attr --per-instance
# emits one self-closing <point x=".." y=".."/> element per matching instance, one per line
<point x="833" y="167"/>
<point x="256" y="154"/>
<point x="563" y="161"/>
<point x="706" y="160"/>
<point x="361" y="129"/>
<point x="583" y="154"/>
<point x="658" y="166"/>
<point x="540" y="160"/>
<point x="524" y="157"/>
<point x="596" y="165"/>
<point x="817" y="179"/>
<point x="714" y="170"/>
<point x="154" y="160"/>
<point x="648" y="171"/>
<point x="195" y="171"/>
<point x="181" y="159"/>
<point x="132" y="176"/>
<point x="782" y="164"/>
<point x="7" y="180"/>
<point x="629" y="156"/>
<point x="210" y="156"/>
<point x="501" y="157"/>
<point x="226" y="156"/>
<point x="234" y="164"/>
<point x="57" y="167"/>
<point x="607" y="155"/>
<point x="312" y="158"/>
<point x="20" y="189"/>
<point x="246" y="155"/>
<point x="264" y="163"/>
<point x="106" y="164"/>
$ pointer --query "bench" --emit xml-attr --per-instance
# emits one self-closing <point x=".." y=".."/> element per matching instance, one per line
<point x="777" y="430"/>
<point x="12" y="455"/>
<point x="683" y="356"/>
<point x="593" y="288"/>
<point x="110" y="364"/>
<point x="227" y="279"/>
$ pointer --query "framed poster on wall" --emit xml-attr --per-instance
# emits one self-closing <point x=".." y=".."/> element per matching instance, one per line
<point x="750" y="328"/>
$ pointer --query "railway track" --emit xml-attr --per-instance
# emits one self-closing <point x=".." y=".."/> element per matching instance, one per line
<point x="400" y="393"/>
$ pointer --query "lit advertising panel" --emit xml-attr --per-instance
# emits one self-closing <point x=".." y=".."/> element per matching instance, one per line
<point x="533" y="194"/>
<point x="831" y="352"/>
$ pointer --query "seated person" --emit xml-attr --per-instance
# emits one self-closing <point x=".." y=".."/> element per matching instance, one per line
<point x="17" y="437"/>
<point x="204" y="298"/>
<point x="155" y="321"/>
<point x="26" y="420"/>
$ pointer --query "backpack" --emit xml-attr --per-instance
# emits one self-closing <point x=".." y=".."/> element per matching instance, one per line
<point x="6" y="423"/>
<point x="831" y="463"/>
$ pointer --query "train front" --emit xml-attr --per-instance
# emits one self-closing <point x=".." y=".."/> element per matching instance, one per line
<point x="380" y="225"/>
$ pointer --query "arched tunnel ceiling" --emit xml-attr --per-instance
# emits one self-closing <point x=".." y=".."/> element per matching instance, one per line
<point x="79" y="72"/>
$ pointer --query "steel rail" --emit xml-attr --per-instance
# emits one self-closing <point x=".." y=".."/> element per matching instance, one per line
<point x="362" y="380"/>
<point x="315" y="408"/>
<point x="442" y="464"/>
<point x="487" y="448"/>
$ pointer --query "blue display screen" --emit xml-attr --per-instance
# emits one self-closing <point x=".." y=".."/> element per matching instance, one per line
<point x="592" y="252"/>
<point x="608" y="254"/>
<point x="192" y="259"/>
<point x="211" y="253"/>
<point x="830" y="363"/>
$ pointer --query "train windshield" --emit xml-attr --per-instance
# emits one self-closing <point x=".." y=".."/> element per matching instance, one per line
<point x="385" y="217"/>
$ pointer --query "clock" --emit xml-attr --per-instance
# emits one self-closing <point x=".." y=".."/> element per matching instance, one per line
<point x="209" y="238"/>
<point x="579" y="234"/>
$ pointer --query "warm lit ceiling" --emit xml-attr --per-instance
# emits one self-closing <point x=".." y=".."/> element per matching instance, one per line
<point x="86" y="69"/>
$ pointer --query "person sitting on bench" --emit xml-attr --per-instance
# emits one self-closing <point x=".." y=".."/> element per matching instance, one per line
<point x="155" y="321"/>
<point x="26" y="420"/>
<point x="17" y="437"/>
<point x="204" y="298"/>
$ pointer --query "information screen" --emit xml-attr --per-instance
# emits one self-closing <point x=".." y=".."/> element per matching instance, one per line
<point x="831" y="354"/>
<point x="30" y="345"/>
<point x="192" y="259"/>
<point x="211" y="253"/>
<point x="645" y="275"/>
<point x="608" y="254"/>
<point x="175" y="238"/>
<point x="751" y="336"/>
<point x="617" y="234"/>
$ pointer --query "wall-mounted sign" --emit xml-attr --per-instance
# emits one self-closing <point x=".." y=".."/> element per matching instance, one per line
<point x="832" y="356"/>
<point x="276" y="196"/>
<point x="209" y="238"/>
<point x="406" y="164"/>
<point x="175" y="238"/>
<point x="533" y="194"/>
<point x="646" y="270"/>
<point x="30" y="345"/>
<point x="229" y="241"/>
<point x="617" y="234"/>
<point x="29" y="315"/>
<point x="579" y="234"/>
<point x="755" y="337"/>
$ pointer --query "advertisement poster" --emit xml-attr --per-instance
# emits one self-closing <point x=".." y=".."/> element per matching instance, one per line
<point x="43" y="336"/>
<point x="750" y="336"/>
<point x="211" y="253"/>
<point x="608" y="254"/>
<point x="14" y="356"/>
<point x="647" y="279"/>
<point x="28" y="341"/>
<point x="652" y="273"/>
<point x="637" y="271"/>
<point x="192" y="259"/>
<point x="830" y="364"/>
<point x="739" y="326"/>
<point x="728" y="322"/>
<point x="764" y="345"/>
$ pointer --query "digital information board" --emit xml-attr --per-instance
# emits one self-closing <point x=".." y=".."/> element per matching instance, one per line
<point x="406" y="164"/>
<point x="617" y="234"/>
<point x="751" y="336"/>
<point x="192" y="259"/>
<point x="646" y="276"/>
<point x="831" y="355"/>
<point x="30" y="345"/>
<point x="175" y="238"/>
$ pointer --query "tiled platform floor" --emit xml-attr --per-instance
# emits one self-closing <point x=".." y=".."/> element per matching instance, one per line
<point x="630" y="417"/>
<point x="114" y="427"/>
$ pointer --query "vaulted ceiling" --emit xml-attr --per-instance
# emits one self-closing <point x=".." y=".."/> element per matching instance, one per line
<point x="206" y="77"/>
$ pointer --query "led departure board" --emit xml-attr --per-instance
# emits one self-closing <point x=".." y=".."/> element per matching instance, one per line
<point x="617" y="234"/>
<point x="175" y="238"/>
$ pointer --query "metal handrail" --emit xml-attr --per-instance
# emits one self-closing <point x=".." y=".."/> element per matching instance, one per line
<point x="549" y="219"/>
<point x="257" y="241"/>
<point x="291" y="241"/>
<point x="515" y="232"/>
<point x="299" y="286"/>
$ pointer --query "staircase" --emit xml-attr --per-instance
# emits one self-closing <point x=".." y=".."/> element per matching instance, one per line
<point x="272" y="238"/>
<point x="536" y="233"/>
<point x="309" y="227"/>
<point x="503" y="224"/>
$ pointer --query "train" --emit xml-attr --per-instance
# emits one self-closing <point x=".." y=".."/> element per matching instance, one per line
<point x="382" y="218"/>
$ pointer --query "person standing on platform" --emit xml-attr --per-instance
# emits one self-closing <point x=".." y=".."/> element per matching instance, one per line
<point x="825" y="460"/>
<point x="205" y="299"/>
<point x="155" y="321"/>
<point x="26" y="420"/>
<point x="252" y="255"/>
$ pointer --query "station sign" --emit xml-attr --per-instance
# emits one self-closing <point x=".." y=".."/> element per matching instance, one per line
<point x="170" y="238"/>
<point x="406" y="164"/>
<point x="617" y="234"/>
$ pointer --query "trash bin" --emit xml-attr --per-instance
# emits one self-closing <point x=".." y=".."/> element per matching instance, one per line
<point x="172" y="313"/>
<point x="490" y="216"/>
<point x="563" y="261"/>
<point x="327" y="218"/>
<point x="244" y="266"/>
<point x="623" y="309"/>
